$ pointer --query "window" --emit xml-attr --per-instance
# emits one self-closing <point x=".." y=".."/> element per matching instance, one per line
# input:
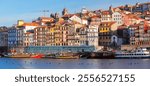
<point x="40" y="29"/>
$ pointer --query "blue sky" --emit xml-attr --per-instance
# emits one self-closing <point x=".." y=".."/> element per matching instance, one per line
<point x="28" y="10"/>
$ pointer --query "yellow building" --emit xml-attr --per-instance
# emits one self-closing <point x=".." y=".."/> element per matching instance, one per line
<point x="50" y="36"/>
<point x="20" y="23"/>
<point x="57" y="35"/>
<point x="106" y="30"/>
<point x="61" y="35"/>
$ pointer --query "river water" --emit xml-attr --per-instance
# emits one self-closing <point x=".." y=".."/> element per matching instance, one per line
<point x="13" y="63"/>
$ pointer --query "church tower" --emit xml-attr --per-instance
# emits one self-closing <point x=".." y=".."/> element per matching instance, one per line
<point x="65" y="11"/>
<point x="111" y="9"/>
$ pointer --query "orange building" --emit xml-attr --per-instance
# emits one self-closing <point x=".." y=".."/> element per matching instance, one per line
<point x="61" y="35"/>
<point x="40" y="36"/>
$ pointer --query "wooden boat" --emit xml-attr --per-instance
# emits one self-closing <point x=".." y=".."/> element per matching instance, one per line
<point x="67" y="55"/>
<point x="50" y="56"/>
<point x="37" y="56"/>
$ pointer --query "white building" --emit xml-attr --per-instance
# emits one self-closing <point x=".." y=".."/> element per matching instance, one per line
<point x="28" y="39"/>
<point x="84" y="21"/>
<point x="132" y="29"/>
<point x="76" y="19"/>
<point x="106" y="16"/>
<point x="29" y="26"/>
<point x="117" y="17"/>
<point x="83" y="41"/>
<point x="84" y="10"/>
<point x="92" y="35"/>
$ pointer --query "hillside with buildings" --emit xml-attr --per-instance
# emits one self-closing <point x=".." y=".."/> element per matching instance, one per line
<point x="115" y="28"/>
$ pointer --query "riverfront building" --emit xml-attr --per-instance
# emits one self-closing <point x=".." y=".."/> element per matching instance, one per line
<point x="40" y="36"/>
<point x="15" y="39"/>
<point x="28" y="39"/>
<point x="117" y="17"/>
<point x="3" y="36"/>
<point x="58" y="49"/>
<point x="92" y="35"/>
<point x="61" y="35"/>
<point x="3" y="39"/>
<point x="106" y="31"/>
<point x="110" y="28"/>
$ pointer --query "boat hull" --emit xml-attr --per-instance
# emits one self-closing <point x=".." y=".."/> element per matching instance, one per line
<point x="138" y="53"/>
<point x="98" y="55"/>
<point x="145" y="57"/>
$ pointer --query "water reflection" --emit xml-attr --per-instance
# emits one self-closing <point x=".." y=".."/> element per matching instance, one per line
<point x="10" y="63"/>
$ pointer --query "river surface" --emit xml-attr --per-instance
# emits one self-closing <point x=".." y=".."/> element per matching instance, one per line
<point x="13" y="63"/>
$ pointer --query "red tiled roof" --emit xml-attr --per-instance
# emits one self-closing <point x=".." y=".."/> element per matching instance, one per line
<point x="40" y="27"/>
<point x="72" y="23"/>
<point x="31" y="24"/>
<point x="135" y="25"/>
<point x="46" y="18"/>
<point x="28" y="33"/>
<point x="120" y="7"/>
<point x="68" y="15"/>
<point x="105" y="13"/>
<point x="132" y="16"/>
<point x="86" y="14"/>
<point x="146" y="26"/>
<point x="122" y="27"/>
<point x="110" y="23"/>
<point x="96" y="16"/>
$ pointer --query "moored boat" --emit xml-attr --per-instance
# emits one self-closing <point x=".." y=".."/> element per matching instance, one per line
<point x="67" y="55"/>
<point x="102" y="55"/>
<point x="50" y="56"/>
<point x="25" y="55"/>
<point x="98" y="55"/>
<point x="138" y="53"/>
<point x="19" y="55"/>
<point x="37" y="56"/>
<point x="1" y="55"/>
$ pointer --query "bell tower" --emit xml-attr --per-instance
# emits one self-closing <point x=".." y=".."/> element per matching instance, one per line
<point x="65" y="11"/>
<point x="111" y="9"/>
